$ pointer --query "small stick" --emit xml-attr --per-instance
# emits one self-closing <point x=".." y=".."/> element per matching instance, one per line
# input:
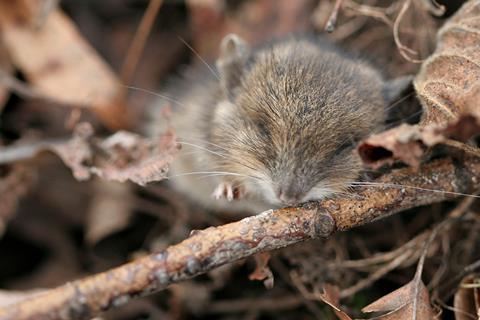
<point x="396" y="27"/>
<point x="332" y="21"/>
<point x="138" y="44"/>
<point x="215" y="246"/>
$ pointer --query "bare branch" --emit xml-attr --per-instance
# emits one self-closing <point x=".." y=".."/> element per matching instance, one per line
<point x="208" y="249"/>
<point x="138" y="44"/>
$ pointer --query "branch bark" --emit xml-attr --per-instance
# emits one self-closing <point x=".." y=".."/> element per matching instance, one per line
<point x="210" y="248"/>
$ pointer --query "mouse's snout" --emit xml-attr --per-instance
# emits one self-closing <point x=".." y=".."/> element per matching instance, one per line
<point x="290" y="195"/>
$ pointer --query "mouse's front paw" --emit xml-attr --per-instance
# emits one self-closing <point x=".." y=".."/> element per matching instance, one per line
<point x="228" y="191"/>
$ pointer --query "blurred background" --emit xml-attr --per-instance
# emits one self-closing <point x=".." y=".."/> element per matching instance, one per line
<point x="54" y="228"/>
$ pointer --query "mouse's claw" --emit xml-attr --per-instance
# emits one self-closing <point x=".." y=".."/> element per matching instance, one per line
<point x="228" y="191"/>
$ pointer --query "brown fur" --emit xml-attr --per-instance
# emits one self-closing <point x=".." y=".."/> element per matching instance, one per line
<point x="288" y="114"/>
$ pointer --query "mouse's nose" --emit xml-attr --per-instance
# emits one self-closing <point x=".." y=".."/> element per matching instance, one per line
<point x="289" y="196"/>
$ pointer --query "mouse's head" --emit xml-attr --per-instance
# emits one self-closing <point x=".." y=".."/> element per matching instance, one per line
<point x="291" y="117"/>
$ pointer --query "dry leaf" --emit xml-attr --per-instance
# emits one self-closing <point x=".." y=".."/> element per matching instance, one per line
<point x="262" y="271"/>
<point x="110" y="210"/>
<point x="398" y="305"/>
<point x="120" y="157"/>
<point x="6" y="67"/>
<point x="401" y="143"/>
<point x="408" y="143"/>
<point x="76" y="152"/>
<point x="448" y="82"/>
<point x="58" y="62"/>
<point x="137" y="159"/>
<point x="466" y="301"/>
<point x="331" y="296"/>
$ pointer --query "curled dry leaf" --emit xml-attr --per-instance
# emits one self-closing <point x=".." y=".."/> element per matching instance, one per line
<point x="448" y="83"/>
<point x="331" y="296"/>
<point x="466" y="302"/>
<point x="398" y="305"/>
<point x="262" y="271"/>
<point x="140" y="160"/>
<point x="401" y="143"/>
<point x="58" y="62"/>
<point x="408" y="143"/>
<point x="76" y="152"/>
<point x="120" y="157"/>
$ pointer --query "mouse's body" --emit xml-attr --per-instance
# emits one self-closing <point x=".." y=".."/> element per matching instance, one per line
<point x="276" y="126"/>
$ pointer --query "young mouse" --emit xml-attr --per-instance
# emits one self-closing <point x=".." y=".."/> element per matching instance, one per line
<point x="275" y="125"/>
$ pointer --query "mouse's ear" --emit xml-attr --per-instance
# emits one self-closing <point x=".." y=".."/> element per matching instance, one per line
<point x="234" y="52"/>
<point x="392" y="89"/>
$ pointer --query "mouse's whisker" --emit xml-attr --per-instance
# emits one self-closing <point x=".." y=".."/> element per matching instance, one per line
<point x="206" y="172"/>
<point x="221" y="174"/>
<point x="395" y="123"/>
<point x="204" y="149"/>
<point x="399" y="100"/>
<point x="219" y="167"/>
<point x="203" y="141"/>
<point x="401" y="186"/>
<point x="218" y="154"/>
<point x="200" y="58"/>
<point x="155" y="94"/>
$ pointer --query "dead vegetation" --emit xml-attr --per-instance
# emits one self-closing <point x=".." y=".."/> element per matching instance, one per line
<point x="60" y="93"/>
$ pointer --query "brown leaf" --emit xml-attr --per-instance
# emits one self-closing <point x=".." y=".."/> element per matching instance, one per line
<point x="76" y="152"/>
<point x="58" y="62"/>
<point x="447" y="83"/>
<point x="110" y="210"/>
<point x="6" y="67"/>
<point x="137" y="159"/>
<point x="331" y="296"/>
<point x="408" y="143"/>
<point x="120" y="157"/>
<point x="401" y="143"/>
<point x="466" y="301"/>
<point x="262" y="271"/>
<point x="398" y="305"/>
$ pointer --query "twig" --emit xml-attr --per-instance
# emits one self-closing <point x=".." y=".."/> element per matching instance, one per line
<point x="208" y="249"/>
<point x="434" y="7"/>
<point x="25" y="91"/>
<point x="139" y="40"/>
<point x="446" y="290"/>
<point x="22" y="152"/>
<point x="19" y="87"/>
<point x="453" y="216"/>
<point x="396" y="26"/>
<point x="332" y="21"/>
<point x="370" y="11"/>
<point x="364" y="283"/>
<point x="289" y="278"/>
<point x="264" y="304"/>
<point x="381" y="257"/>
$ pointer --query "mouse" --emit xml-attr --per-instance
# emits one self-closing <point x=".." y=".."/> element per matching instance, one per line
<point x="275" y="124"/>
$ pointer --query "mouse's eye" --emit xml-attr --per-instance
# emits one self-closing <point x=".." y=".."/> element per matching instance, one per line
<point x="347" y="146"/>
<point x="262" y="127"/>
